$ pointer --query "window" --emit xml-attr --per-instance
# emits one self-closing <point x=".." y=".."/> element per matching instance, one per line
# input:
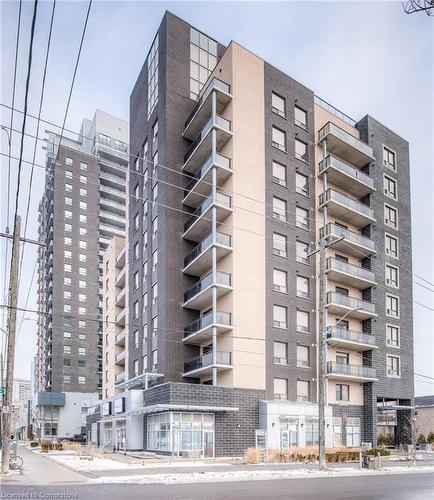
<point x="154" y="261"/>
<point x="83" y="165"/>
<point x="279" y="209"/>
<point x="66" y="295"/>
<point x="66" y="335"/>
<point x="278" y="139"/>
<point x="155" y="192"/>
<point x="136" y="164"/>
<point x="301" y="184"/>
<point x="393" y="366"/>
<point x="278" y="104"/>
<point x="68" y="254"/>
<point x="82" y="351"/>
<point x="82" y="297"/>
<point x="392" y="306"/>
<point x="301" y="150"/>
<point x="145" y="239"/>
<point x="67" y="281"/>
<point x="83" y="179"/>
<point x="342" y="392"/>
<point x="82" y="324"/>
<point x="82" y="271"/>
<point x="136" y="222"/>
<point x="82" y="310"/>
<point x="81" y="379"/>
<point x="203" y="59"/>
<point x="136" y="251"/>
<point x="280" y="388"/>
<point x="82" y="244"/>
<point x="392" y="276"/>
<point x="136" y="280"/>
<point x="302" y="322"/>
<point x="390" y="187"/>
<point x="68" y="161"/>
<point x="136" y="339"/>
<point x="353" y="431"/>
<point x="145" y="151"/>
<point x="68" y="201"/>
<point x="66" y="362"/>
<point x="68" y="268"/>
<point x="154" y="228"/>
<point x="154" y="359"/>
<point x="303" y="356"/>
<point x="82" y="257"/>
<point x="83" y="231"/>
<point x="68" y="188"/>
<point x="68" y="241"/>
<point x="389" y="158"/>
<point x="302" y="287"/>
<point x="154" y="325"/>
<point x="280" y="353"/>
<point x="68" y="228"/>
<point x="66" y="378"/>
<point x="155" y="131"/>
<point x="136" y="309"/>
<point x="280" y="317"/>
<point x="337" y="431"/>
<point x="67" y="349"/>
<point x="301" y="218"/>
<point x="342" y="358"/>
<point x="68" y="214"/>
<point x="392" y="335"/>
<point x="280" y="281"/>
<point x="68" y="175"/>
<point x="279" y="173"/>
<point x="82" y="337"/>
<point x="145" y="301"/>
<point x="279" y="245"/>
<point x="154" y="165"/>
<point x="83" y="205"/>
<point x="145" y="269"/>
<point x="391" y="245"/>
<point x="312" y="431"/>
<point x="300" y="117"/>
<point x="154" y="293"/>
<point x="83" y="218"/>
<point x="302" y="250"/>
<point x="302" y="390"/>
<point x="145" y="180"/>
<point x="390" y="216"/>
<point x="136" y="192"/>
<point x="153" y="76"/>
<point x="145" y="362"/>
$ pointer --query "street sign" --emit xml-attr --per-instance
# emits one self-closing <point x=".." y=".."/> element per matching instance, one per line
<point x="2" y="391"/>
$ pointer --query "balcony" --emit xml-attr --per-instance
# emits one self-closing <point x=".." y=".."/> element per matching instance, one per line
<point x="120" y="258"/>
<point x="356" y="373"/>
<point x="117" y="195"/>
<point x="346" y="209"/>
<point x="201" y="148"/>
<point x="200" y="258"/>
<point x="203" y="108"/>
<point x="349" y="274"/>
<point x="120" y="278"/>
<point x="120" y="297"/>
<point x="200" y="331"/>
<point x="200" y="185"/>
<point x="111" y="206"/>
<point x="352" y="243"/>
<point x="340" y="337"/>
<point x="345" y="145"/>
<point x="341" y="304"/>
<point x="119" y="377"/>
<point x="200" y="222"/>
<point x="113" y="181"/>
<point x="203" y="365"/>
<point x="346" y="177"/>
<point x="112" y="219"/>
<point x="120" y="358"/>
<point x="200" y="294"/>
<point x="109" y="231"/>
<point x="120" y="318"/>
<point x="120" y="338"/>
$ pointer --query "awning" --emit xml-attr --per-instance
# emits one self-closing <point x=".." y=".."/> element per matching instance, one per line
<point x="140" y="379"/>
<point x="157" y="408"/>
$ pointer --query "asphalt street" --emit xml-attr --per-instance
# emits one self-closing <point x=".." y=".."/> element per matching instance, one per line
<point x="418" y="486"/>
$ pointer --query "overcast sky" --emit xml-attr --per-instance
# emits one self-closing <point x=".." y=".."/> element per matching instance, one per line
<point x="363" y="57"/>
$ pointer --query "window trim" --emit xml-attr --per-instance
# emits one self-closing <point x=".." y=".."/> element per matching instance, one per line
<point x="306" y="161"/>
<point x="397" y="246"/>
<point x="399" y="306"/>
<point x="386" y="223"/>
<point x="273" y="178"/>
<point x="389" y="345"/>
<point x="385" y="176"/>
<point x="276" y="144"/>
<point x="387" y="165"/>
<point x="398" y="357"/>
<point x="296" y="122"/>
<point x="276" y="110"/>
<point x="386" y="265"/>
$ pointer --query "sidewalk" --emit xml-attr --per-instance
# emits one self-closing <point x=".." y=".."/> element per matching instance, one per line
<point x="40" y="470"/>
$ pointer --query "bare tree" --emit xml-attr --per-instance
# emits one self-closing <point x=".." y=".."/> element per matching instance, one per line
<point x="412" y="6"/>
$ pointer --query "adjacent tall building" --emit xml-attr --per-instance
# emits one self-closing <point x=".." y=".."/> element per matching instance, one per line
<point x="236" y="172"/>
<point x="82" y="209"/>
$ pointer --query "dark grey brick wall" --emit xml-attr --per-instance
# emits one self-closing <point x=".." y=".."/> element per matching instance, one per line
<point x="293" y="93"/>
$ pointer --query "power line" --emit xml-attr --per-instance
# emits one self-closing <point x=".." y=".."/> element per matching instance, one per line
<point x="423" y="286"/>
<point x="423" y="279"/>
<point x="424" y="376"/>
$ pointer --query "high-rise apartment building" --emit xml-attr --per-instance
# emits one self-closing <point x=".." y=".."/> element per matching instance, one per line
<point x="236" y="172"/>
<point x="82" y="209"/>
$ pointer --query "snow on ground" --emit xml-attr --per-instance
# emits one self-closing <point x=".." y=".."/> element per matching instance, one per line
<point x="243" y="475"/>
<point x="79" y="464"/>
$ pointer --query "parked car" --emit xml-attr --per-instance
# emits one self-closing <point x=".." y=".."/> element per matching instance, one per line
<point x="76" y="438"/>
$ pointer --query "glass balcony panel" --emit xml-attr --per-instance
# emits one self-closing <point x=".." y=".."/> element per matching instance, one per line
<point x="357" y="371"/>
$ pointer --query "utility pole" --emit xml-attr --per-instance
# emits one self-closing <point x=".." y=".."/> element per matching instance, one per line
<point x="10" y="354"/>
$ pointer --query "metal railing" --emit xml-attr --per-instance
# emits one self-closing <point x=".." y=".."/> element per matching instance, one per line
<point x="219" y="160"/>
<point x="214" y="84"/>
<point x="334" y="264"/>
<point x="120" y="377"/>
<point x="222" y="358"/>
<point x="223" y="279"/>
<point x="352" y="204"/>
<point x="217" y="121"/>
<point x="223" y="318"/>
<point x="332" y="229"/>
<point x="340" y="165"/>
<point x="350" y="370"/>
<point x="351" y="336"/>
<point x="331" y="128"/>
<point x="220" y="198"/>
<point x="220" y="238"/>
<point x="120" y="356"/>
<point x="121" y="315"/>
<point x="350" y="302"/>
<point x="331" y="109"/>
<point x="120" y="336"/>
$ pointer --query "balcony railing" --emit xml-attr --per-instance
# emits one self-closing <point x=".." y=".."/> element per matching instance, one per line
<point x="351" y="336"/>
<point x="120" y="377"/>
<point x="332" y="229"/>
<point x="350" y="302"/>
<point x="223" y="318"/>
<point x="223" y="358"/>
<point x="350" y="370"/>
<point x="334" y="264"/>
<point x="331" y="128"/>
<point x="223" y="279"/>
<point x="219" y="159"/>
<point x="332" y="195"/>
<point x="221" y="199"/>
<point x="217" y="121"/>
<point x="120" y="356"/>
<point x="221" y="238"/>
<point x="346" y="169"/>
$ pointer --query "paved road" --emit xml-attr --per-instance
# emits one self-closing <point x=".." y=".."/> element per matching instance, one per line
<point x="392" y="487"/>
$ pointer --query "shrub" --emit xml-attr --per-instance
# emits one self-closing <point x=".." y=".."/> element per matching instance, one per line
<point x="421" y="439"/>
<point x="382" y="451"/>
<point x="33" y="444"/>
<point x="252" y="456"/>
<point x="45" y="446"/>
<point x="386" y="440"/>
<point x="430" y="438"/>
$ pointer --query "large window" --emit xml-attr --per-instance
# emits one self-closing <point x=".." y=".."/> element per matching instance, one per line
<point x="279" y="208"/>
<point x="391" y="245"/>
<point x="392" y="335"/>
<point x="278" y="104"/>
<point x="153" y="77"/>
<point x="392" y="306"/>
<point x="301" y="150"/>
<point x="278" y="139"/>
<point x="203" y="59"/>
<point x="302" y="390"/>
<point x="353" y="431"/>
<point x="280" y="388"/>
<point x="280" y="245"/>
<point x="280" y="315"/>
<point x="342" y="392"/>
<point x="302" y="218"/>
<point x="303" y="356"/>
<point x="393" y="366"/>
<point x="300" y="117"/>
<point x="301" y="184"/>
<point x="302" y="250"/>
<point x="392" y="276"/>
<point x="389" y="158"/>
<point x="280" y="281"/>
<point x="302" y="322"/>
<point x="280" y="353"/>
<point x="312" y="431"/>
<point x="391" y="216"/>
<point x="302" y="287"/>
<point x="390" y="188"/>
<point x="279" y="173"/>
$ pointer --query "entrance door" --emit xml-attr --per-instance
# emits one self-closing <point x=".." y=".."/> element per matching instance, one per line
<point x="208" y="444"/>
<point x="284" y="439"/>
